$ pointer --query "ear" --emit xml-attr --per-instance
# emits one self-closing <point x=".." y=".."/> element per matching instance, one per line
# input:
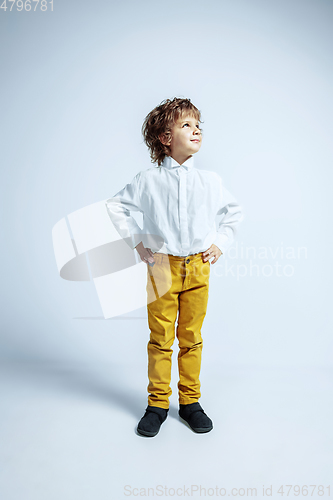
<point x="164" y="140"/>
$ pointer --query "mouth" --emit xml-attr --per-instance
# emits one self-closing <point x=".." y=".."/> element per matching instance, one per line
<point x="195" y="140"/>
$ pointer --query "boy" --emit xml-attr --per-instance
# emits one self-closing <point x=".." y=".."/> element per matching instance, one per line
<point x="179" y="204"/>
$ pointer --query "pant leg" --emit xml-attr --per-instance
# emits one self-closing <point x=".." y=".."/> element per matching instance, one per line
<point x="193" y="302"/>
<point x="163" y="286"/>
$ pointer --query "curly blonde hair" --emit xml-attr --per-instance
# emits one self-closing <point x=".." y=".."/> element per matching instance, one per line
<point x="161" y="120"/>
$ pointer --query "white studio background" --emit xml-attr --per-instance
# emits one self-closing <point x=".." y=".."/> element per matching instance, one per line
<point x="76" y="84"/>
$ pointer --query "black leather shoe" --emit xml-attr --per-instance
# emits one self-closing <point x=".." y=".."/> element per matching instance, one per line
<point x="196" y="418"/>
<point x="152" y="420"/>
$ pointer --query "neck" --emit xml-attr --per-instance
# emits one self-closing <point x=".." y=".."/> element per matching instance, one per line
<point x="180" y="158"/>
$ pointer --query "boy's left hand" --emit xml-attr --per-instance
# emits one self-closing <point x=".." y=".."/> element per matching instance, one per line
<point x="213" y="251"/>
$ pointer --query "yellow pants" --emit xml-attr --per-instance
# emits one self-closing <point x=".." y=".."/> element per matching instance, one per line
<point x="176" y="284"/>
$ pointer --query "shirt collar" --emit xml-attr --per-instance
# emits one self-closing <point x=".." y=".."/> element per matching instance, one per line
<point x="171" y="163"/>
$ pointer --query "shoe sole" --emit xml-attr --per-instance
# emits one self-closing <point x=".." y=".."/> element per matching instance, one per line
<point x="198" y="430"/>
<point x="147" y="433"/>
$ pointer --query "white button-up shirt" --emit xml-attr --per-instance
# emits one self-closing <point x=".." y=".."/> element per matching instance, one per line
<point x="179" y="204"/>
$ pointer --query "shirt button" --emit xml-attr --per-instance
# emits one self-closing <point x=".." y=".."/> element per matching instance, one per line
<point x="187" y="261"/>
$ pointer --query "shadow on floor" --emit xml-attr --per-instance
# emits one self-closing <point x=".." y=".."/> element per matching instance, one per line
<point x="80" y="379"/>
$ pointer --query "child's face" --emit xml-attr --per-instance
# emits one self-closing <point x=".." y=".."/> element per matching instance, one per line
<point x="185" y="137"/>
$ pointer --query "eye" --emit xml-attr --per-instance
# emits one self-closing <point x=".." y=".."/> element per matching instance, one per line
<point x="185" y="124"/>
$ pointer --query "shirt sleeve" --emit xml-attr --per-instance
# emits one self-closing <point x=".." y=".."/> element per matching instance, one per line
<point x="228" y="225"/>
<point x="119" y="207"/>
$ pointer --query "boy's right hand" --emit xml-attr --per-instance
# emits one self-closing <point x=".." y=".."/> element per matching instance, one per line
<point x="146" y="254"/>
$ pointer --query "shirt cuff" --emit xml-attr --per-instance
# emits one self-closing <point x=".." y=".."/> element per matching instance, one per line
<point x="134" y="240"/>
<point x="222" y="241"/>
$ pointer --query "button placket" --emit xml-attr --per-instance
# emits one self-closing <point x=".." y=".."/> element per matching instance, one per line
<point x="183" y="211"/>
